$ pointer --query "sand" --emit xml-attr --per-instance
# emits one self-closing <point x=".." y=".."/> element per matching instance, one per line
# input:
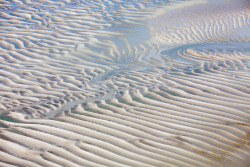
<point x="124" y="83"/>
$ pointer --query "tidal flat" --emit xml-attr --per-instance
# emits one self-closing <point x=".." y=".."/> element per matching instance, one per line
<point x="124" y="83"/>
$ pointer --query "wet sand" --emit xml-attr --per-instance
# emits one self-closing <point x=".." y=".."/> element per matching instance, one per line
<point x="115" y="83"/>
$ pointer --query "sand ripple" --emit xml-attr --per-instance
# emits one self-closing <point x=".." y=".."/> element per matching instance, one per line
<point x="124" y="83"/>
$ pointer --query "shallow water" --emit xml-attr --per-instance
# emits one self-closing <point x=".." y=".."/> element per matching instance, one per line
<point x="124" y="83"/>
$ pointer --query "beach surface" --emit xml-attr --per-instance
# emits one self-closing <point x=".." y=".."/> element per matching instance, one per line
<point x="112" y="83"/>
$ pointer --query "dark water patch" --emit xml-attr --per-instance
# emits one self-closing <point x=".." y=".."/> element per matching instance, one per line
<point x="9" y="119"/>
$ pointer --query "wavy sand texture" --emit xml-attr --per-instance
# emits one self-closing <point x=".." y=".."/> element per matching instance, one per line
<point x="124" y="83"/>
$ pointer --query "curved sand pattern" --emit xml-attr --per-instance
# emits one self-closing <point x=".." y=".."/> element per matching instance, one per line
<point x="135" y="83"/>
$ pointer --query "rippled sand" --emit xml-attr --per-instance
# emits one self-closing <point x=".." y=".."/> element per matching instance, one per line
<point x="125" y="83"/>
